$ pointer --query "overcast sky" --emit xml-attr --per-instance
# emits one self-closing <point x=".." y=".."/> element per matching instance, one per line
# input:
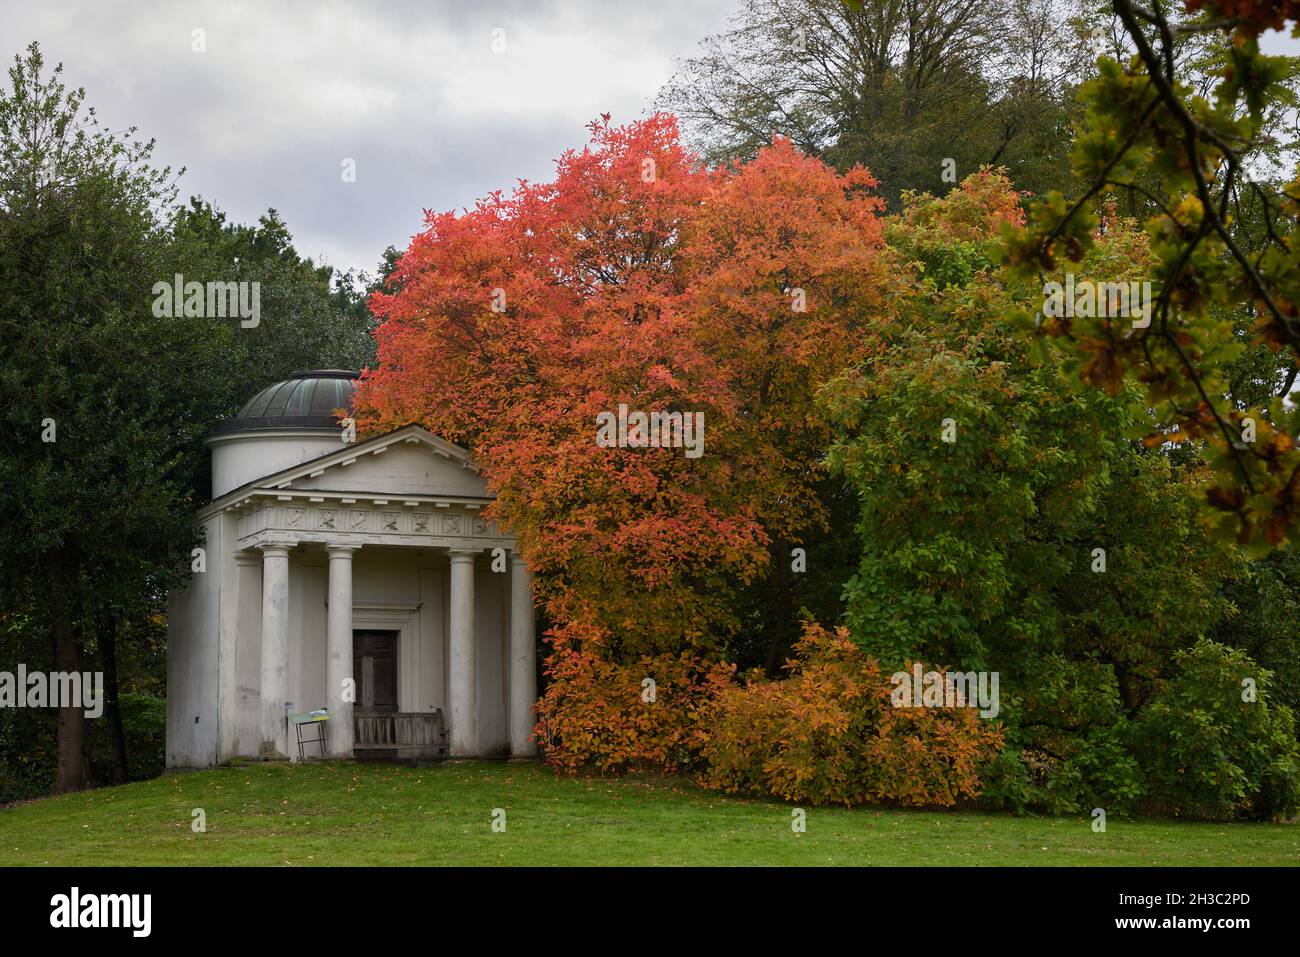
<point x="412" y="91"/>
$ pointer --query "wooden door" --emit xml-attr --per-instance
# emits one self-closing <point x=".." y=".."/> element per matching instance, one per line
<point x="374" y="668"/>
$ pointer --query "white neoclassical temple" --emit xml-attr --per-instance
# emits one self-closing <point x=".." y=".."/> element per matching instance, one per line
<point x="358" y="577"/>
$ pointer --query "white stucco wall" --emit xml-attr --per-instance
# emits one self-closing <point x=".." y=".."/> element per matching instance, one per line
<point x="222" y="565"/>
<point x="431" y="674"/>
<point x="193" y="619"/>
<point x="241" y="457"/>
<point x="308" y="576"/>
<point x="247" y="736"/>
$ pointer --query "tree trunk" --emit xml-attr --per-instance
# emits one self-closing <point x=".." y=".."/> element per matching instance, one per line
<point x="1130" y="690"/>
<point x="108" y="646"/>
<point x="71" y="774"/>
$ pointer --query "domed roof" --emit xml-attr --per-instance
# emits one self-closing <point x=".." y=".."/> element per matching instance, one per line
<point x="305" y="400"/>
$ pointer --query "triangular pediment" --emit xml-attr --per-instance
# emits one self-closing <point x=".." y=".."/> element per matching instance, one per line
<point x="405" y="463"/>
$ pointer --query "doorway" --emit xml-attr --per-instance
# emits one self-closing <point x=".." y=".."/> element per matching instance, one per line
<point x="374" y="668"/>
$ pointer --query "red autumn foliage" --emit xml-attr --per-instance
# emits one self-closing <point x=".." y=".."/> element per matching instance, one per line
<point x="637" y="276"/>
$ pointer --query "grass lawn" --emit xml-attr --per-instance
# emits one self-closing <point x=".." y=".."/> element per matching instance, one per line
<point x="369" y="814"/>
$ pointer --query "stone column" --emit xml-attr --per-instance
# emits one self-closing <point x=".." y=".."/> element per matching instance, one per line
<point x="463" y="673"/>
<point x="338" y="660"/>
<point x="523" y="659"/>
<point x="275" y="648"/>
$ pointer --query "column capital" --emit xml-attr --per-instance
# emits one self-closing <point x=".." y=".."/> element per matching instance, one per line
<point x="341" y="551"/>
<point x="276" y="549"/>
<point x="518" y="561"/>
<point x="458" y="555"/>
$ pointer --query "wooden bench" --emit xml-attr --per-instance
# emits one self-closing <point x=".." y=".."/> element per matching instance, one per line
<point x="399" y="735"/>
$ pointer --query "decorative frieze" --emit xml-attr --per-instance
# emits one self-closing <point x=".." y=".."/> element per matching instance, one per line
<point x="359" y="524"/>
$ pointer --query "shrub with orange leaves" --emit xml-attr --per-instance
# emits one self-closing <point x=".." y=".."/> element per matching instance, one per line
<point x="644" y="715"/>
<point x="829" y="734"/>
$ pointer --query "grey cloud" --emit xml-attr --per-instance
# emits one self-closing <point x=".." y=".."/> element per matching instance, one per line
<point x="412" y="91"/>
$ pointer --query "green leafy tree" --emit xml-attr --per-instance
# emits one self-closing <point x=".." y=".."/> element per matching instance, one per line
<point x="309" y="317"/>
<point x="1213" y="749"/>
<point x="1267" y="623"/>
<point x="105" y="399"/>
<point x="1007" y="522"/>
<point x="1198" y="142"/>
<point x="898" y="87"/>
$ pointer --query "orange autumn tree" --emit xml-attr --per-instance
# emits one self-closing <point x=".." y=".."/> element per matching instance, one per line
<point x="637" y="277"/>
